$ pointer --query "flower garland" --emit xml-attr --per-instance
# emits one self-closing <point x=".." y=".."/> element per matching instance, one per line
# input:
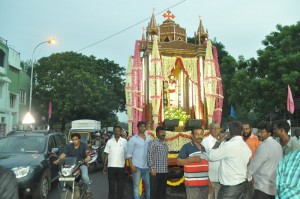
<point x="219" y="100"/>
<point x="155" y="82"/>
<point x="129" y="94"/>
<point x="171" y="138"/>
<point x="168" y="63"/>
<point x="175" y="140"/>
<point x="190" y="65"/>
<point x="177" y="183"/>
<point x="173" y="184"/>
<point x="184" y="137"/>
<point x="210" y="82"/>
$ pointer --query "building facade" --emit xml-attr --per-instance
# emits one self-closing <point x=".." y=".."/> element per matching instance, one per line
<point x="14" y="89"/>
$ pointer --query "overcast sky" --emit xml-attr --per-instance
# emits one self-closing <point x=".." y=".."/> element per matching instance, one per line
<point x="240" y="25"/>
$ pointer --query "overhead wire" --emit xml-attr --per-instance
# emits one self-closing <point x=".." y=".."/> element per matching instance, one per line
<point x="129" y="27"/>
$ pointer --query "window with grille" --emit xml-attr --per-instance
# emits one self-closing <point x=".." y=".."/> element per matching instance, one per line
<point x="12" y="101"/>
<point x="22" y="97"/>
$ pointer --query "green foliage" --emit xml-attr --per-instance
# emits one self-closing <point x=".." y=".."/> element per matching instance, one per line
<point x="256" y="86"/>
<point x="79" y="87"/>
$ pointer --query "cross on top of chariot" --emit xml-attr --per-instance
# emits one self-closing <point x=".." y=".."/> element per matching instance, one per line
<point x="168" y="15"/>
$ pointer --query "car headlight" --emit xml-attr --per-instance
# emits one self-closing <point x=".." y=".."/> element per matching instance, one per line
<point x="66" y="171"/>
<point x="21" y="171"/>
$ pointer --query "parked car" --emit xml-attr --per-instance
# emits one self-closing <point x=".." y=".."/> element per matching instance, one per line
<point x="30" y="154"/>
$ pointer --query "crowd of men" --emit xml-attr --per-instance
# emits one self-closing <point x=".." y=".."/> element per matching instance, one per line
<point x="235" y="164"/>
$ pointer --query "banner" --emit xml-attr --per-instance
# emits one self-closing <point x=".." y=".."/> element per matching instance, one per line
<point x="290" y="102"/>
<point x="232" y="112"/>
<point x="49" y="110"/>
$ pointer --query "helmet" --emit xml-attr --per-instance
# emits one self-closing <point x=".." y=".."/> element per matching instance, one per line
<point x="97" y="134"/>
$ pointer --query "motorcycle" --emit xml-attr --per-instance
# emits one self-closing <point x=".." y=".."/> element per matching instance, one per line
<point x="95" y="161"/>
<point x="70" y="183"/>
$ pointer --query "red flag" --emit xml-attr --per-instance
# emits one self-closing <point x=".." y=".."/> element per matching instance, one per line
<point x="290" y="102"/>
<point x="50" y="110"/>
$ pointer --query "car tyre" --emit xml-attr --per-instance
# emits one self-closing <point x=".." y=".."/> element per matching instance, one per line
<point x="43" y="186"/>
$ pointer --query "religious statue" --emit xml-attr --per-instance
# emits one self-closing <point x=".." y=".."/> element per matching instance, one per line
<point x="173" y="92"/>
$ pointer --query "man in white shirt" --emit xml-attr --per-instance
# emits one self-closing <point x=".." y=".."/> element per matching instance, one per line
<point x="114" y="160"/>
<point x="234" y="156"/>
<point x="281" y="129"/>
<point x="264" y="164"/>
<point x="213" y="171"/>
<point x="297" y="135"/>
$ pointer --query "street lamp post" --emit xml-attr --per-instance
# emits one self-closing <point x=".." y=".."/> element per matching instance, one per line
<point x="28" y="119"/>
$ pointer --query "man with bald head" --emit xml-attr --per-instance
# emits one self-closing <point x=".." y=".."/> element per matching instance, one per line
<point x="208" y="143"/>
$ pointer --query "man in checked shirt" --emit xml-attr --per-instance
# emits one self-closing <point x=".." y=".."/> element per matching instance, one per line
<point x="157" y="158"/>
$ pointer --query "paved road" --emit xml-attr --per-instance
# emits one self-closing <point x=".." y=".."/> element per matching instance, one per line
<point x="100" y="188"/>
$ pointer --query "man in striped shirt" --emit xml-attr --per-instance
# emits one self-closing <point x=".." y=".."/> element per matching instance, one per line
<point x="157" y="157"/>
<point x="192" y="156"/>
<point x="287" y="176"/>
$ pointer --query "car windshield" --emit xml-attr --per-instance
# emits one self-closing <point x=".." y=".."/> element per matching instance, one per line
<point x="84" y="137"/>
<point x="23" y="144"/>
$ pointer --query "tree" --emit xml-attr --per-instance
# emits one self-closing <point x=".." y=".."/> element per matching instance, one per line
<point x="259" y="85"/>
<point x="278" y="66"/>
<point x="79" y="87"/>
<point x="227" y="68"/>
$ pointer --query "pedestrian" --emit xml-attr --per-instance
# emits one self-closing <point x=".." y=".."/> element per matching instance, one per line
<point x="137" y="157"/>
<point x="213" y="171"/>
<point x="288" y="175"/>
<point x="281" y="129"/>
<point x="114" y="163"/>
<point x="124" y="134"/>
<point x="253" y="142"/>
<point x="234" y="156"/>
<point x="157" y="157"/>
<point x="8" y="185"/>
<point x="192" y="156"/>
<point x="97" y="140"/>
<point x="264" y="164"/>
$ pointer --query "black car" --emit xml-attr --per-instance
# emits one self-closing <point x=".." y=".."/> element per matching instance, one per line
<point x="30" y="155"/>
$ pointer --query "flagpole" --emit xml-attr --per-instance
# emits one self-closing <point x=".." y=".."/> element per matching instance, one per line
<point x="48" y="127"/>
<point x="49" y="115"/>
<point x="290" y="106"/>
<point x="290" y="131"/>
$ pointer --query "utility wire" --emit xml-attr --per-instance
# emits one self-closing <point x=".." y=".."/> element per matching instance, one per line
<point x="117" y="33"/>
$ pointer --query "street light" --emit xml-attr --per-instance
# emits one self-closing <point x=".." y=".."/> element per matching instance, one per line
<point x="28" y="119"/>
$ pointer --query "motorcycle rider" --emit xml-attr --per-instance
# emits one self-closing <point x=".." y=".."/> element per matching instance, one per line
<point x="100" y="144"/>
<point x="77" y="149"/>
<point x="97" y="141"/>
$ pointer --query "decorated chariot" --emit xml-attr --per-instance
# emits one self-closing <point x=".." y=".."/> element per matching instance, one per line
<point x="169" y="79"/>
